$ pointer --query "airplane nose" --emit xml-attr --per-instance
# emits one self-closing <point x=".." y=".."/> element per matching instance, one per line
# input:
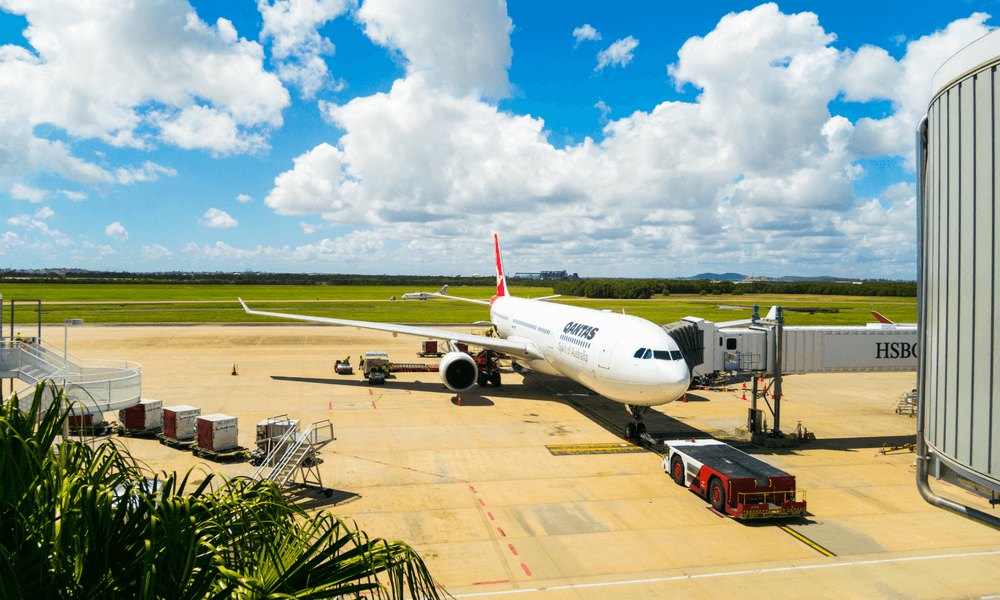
<point x="675" y="379"/>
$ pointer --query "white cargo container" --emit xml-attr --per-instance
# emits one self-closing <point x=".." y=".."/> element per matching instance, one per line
<point x="179" y="421"/>
<point x="217" y="433"/>
<point x="145" y="416"/>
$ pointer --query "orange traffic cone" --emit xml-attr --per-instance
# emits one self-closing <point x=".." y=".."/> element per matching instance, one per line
<point x="460" y="399"/>
<point x="685" y="398"/>
<point x="744" y="395"/>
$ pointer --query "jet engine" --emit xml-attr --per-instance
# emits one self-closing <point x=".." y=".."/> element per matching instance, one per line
<point x="458" y="371"/>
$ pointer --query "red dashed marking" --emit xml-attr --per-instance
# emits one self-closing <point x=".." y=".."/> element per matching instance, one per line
<point x="511" y="546"/>
<point x="501" y="532"/>
<point x="473" y="489"/>
<point x="492" y="582"/>
<point x="526" y="571"/>
<point x="373" y="404"/>
<point x="481" y="502"/>
<point x="491" y="516"/>
<point x="399" y="467"/>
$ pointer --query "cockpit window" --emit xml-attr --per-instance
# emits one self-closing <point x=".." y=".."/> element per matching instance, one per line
<point x="658" y="354"/>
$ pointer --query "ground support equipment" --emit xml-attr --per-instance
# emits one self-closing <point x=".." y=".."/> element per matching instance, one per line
<point x="735" y="483"/>
<point x="239" y="453"/>
<point x="178" y="444"/>
<point x="123" y="431"/>
<point x="412" y="368"/>
<point x="907" y="404"/>
<point x="293" y="460"/>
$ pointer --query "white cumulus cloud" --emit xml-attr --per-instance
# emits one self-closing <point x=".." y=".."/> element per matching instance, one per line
<point x="296" y="45"/>
<point x="149" y="171"/>
<point x="585" y="32"/>
<point x="74" y="196"/>
<point x="243" y="198"/>
<point x="463" y="45"/>
<point x="155" y="251"/>
<point x="217" y="219"/>
<point x="117" y="231"/>
<point x="755" y="171"/>
<point x="130" y="74"/>
<point x="22" y="192"/>
<point x="617" y="54"/>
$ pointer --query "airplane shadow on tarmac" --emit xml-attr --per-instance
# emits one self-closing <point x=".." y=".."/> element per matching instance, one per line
<point x="609" y="414"/>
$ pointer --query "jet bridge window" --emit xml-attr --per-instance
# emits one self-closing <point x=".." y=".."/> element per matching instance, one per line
<point x="731" y="344"/>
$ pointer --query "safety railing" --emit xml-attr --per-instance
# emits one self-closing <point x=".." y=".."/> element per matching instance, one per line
<point x="92" y="385"/>
<point x="295" y="453"/>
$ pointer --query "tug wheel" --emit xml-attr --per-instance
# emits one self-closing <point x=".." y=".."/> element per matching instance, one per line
<point x="717" y="495"/>
<point x="677" y="470"/>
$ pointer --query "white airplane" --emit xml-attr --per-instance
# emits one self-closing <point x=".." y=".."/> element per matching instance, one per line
<point x="621" y="357"/>
<point x="442" y="293"/>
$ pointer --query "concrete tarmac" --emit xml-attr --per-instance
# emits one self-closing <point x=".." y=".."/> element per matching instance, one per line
<point x="471" y="485"/>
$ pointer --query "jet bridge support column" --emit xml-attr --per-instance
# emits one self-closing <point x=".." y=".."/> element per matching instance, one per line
<point x="776" y="395"/>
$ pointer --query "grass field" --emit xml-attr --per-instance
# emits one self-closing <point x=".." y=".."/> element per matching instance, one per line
<point x="137" y="303"/>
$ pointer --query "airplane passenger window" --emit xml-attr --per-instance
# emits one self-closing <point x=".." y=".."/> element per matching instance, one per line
<point x="639" y="353"/>
<point x="661" y="354"/>
<point x="676" y="354"/>
<point x="648" y="354"/>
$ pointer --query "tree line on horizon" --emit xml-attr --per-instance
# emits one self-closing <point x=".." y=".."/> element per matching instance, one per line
<point x="621" y="289"/>
<point x="641" y="289"/>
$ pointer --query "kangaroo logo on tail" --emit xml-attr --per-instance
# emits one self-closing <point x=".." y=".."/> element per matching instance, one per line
<point x="501" y="280"/>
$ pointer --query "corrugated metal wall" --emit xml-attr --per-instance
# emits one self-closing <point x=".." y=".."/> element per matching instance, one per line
<point x="960" y="254"/>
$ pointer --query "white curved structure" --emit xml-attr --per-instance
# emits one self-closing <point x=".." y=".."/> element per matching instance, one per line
<point x="958" y="155"/>
<point x="93" y="386"/>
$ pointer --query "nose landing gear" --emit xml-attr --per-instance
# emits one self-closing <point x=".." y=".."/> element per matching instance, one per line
<point x="636" y="428"/>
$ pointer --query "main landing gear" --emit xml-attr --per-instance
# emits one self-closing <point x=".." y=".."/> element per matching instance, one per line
<point x="488" y="372"/>
<point x="636" y="428"/>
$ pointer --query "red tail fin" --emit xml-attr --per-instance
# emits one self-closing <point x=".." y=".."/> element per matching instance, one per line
<point x="501" y="280"/>
<point x="881" y="319"/>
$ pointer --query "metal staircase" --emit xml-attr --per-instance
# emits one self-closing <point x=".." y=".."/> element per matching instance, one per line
<point x="293" y="456"/>
<point x="92" y="386"/>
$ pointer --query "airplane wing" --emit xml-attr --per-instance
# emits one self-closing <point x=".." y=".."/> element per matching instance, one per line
<point x="519" y="349"/>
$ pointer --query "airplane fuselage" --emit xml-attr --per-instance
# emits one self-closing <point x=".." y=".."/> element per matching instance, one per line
<point x="622" y="357"/>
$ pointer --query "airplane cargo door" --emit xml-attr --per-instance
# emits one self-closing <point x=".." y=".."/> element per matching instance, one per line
<point x="604" y="358"/>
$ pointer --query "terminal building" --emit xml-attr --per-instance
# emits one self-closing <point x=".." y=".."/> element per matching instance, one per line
<point x="547" y="275"/>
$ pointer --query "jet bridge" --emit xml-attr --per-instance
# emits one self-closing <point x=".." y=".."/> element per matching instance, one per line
<point x="764" y="347"/>
<point x="748" y="347"/>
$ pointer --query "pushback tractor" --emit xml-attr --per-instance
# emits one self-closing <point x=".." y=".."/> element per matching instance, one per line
<point x="735" y="483"/>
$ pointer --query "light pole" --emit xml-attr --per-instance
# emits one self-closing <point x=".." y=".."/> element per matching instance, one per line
<point x="66" y="324"/>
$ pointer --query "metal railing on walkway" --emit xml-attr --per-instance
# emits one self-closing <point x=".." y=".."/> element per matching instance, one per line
<point x="92" y="385"/>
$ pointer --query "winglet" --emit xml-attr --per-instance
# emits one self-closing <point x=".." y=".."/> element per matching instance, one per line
<point x="243" y="303"/>
<point x="880" y="318"/>
<point x="501" y="280"/>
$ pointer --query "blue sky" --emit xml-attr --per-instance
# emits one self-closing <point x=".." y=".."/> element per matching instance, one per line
<point x="391" y="136"/>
